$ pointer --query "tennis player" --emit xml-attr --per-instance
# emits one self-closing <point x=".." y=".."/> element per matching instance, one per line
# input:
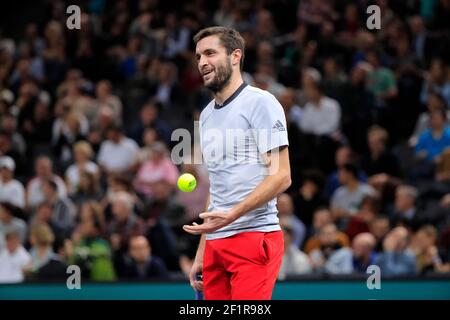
<point x="241" y="244"/>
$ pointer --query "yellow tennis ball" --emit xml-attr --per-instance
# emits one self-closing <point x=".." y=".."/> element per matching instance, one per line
<point x="186" y="182"/>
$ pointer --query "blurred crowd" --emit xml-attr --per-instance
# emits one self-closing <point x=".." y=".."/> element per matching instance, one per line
<point x="86" y="118"/>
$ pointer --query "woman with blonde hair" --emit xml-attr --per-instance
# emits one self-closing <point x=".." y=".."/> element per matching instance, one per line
<point x="83" y="153"/>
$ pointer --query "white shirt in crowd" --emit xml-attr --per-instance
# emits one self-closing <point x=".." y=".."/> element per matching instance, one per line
<point x="34" y="190"/>
<point x="118" y="156"/>
<point x="12" y="192"/>
<point x="295" y="262"/>
<point x="323" y="119"/>
<point x="73" y="173"/>
<point x="12" y="265"/>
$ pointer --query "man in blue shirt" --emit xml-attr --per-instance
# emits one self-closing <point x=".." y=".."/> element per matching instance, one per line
<point x="436" y="139"/>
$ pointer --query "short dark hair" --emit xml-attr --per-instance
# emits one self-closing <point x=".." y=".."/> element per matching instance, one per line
<point x="229" y="38"/>
<point x="115" y="127"/>
<point x="352" y="168"/>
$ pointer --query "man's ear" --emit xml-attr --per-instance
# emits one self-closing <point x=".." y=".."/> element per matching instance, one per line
<point x="236" y="57"/>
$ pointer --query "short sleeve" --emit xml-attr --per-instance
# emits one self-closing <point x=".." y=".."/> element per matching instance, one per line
<point x="268" y="124"/>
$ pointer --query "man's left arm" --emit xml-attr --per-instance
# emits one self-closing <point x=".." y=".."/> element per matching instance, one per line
<point x="277" y="181"/>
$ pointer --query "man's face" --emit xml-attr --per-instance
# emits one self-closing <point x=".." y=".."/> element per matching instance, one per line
<point x="120" y="210"/>
<point x="43" y="168"/>
<point x="12" y="243"/>
<point x="328" y="235"/>
<point x="343" y="176"/>
<point x="140" y="249"/>
<point x="44" y="213"/>
<point x="379" y="228"/>
<point x="113" y="136"/>
<point x="403" y="202"/>
<point x="214" y="64"/>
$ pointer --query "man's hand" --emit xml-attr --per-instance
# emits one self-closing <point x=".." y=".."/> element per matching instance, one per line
<point x="214" y="220"/>
<point x="196" y="268"/>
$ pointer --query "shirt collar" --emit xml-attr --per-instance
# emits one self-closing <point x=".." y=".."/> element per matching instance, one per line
<point x="232" y="97"/>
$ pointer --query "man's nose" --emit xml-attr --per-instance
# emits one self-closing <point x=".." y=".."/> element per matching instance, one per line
<point x="202" y="62"/>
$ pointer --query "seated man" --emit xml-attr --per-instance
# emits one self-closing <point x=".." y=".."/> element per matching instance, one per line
<point x="433" y="141"/>
<point x="396" y="260"/>
<point x="347" y="199"/>
<point x="329" y="244"/>
<point x="140" y="263"/>
<point x="355" y="260"/>
<point x="15" y="261"/>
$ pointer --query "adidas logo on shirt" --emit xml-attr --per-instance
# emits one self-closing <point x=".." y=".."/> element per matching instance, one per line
<point x="278" y="126"/>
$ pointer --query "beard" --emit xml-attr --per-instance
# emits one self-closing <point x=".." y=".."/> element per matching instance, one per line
<point x="221" y="78"/>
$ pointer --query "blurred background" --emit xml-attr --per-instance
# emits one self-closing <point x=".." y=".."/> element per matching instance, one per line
<point x="86" y="118"/>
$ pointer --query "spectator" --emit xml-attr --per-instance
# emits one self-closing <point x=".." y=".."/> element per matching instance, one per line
<point x="37" y="129"/>
<point x="10" y="222"/>
<point x="286" y="214"/>
<point x="118" y="154"/>
<point x="43" y="257"/>
<point x="163" y="205"/>
<point x="355" y="260"/>
<point x="63" y="208"/>
<point x="322" y="218"/>
<point x="380" y="80"/>
<point x="436" y="81"/>
<point x="343" y="155"/>
<point x="405" y="210"/>
<point x="9" y="126"/>
<point x="82" y="154"/>
<point x="158" y="167"/>
<point x="423" y="246"/>
<point x="421" y="40"/>
<point x="44" y="171"/>
<point x="347" y="199"/>
<point x="360" y="223"/>
<point x="105" y="97"/>
<point x="125" y="223"/>
<point x="15" y="261"/>
<point x="11" y="190"/>
<point x="292" y="109"/>
<point x="328" y="244"/>
<point x="88" y="189"/>
<point x="435" y="101"/>
<point x="295" y="262"/>
<point x="149" y="138"/>
<point x="92" y="253"/>
<point x="433" y="141"/>
<point x="396" y="260"/>
<point x="379" y="227"/>
<point x="309" y="197"/>
<point x="149" y="118"/>
<point x="321" y="114"/>
<point x="379" y="159"/>
<point x="66" y="134"/>
<point x="141" y="263"/>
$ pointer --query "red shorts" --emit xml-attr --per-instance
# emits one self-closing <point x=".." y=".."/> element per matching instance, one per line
<point x="242" y="267"/>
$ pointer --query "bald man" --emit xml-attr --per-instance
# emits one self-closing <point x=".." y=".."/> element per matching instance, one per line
<point x="354" y="260"/>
